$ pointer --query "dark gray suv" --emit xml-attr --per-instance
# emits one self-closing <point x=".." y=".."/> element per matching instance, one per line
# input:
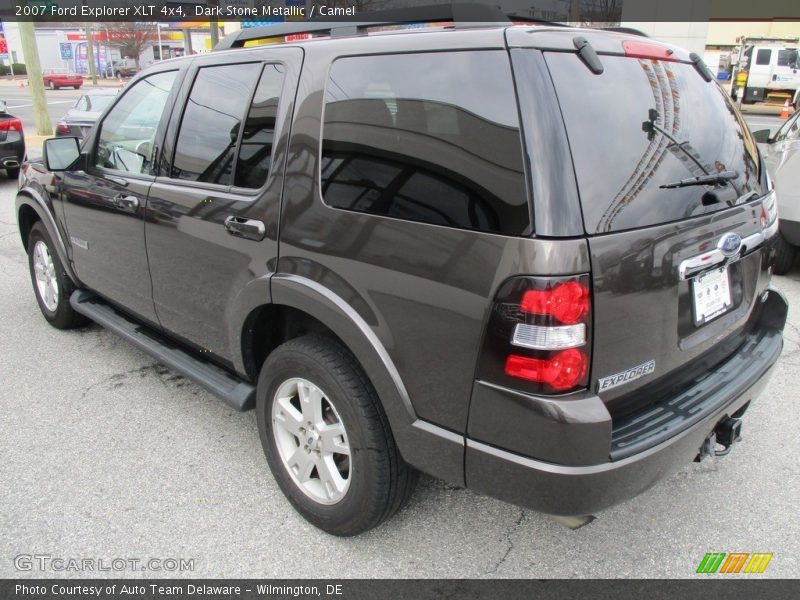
<point x="530" y="260"/>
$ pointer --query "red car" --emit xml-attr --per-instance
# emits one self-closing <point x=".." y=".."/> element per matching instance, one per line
<point x="58" y="80"/>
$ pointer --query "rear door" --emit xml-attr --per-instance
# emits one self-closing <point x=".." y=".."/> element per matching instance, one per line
<point x="663" y="298"/>
<point x="214" y="207"/>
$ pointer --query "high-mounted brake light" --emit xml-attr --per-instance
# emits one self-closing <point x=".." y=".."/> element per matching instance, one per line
<point x="637" y="49"/>
<point x="538" y="335"/>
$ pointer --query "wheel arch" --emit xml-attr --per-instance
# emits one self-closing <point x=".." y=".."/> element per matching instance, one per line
<point x="311" y="307"/>
<point x="30" y="208"/>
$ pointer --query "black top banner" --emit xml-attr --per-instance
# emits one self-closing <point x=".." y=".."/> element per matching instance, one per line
<point x="400" y="11"/>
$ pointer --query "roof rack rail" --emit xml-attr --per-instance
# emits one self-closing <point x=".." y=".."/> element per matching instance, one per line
<point x="629" y="30"/>
<point x="459" y="13"/>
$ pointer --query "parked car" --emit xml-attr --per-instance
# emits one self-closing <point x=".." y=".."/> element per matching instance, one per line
<point x="542" y="273"/>
<point x="782" y="157"/>
<point x="84" y="113"/>
<point x="125" y="67"/>
<point x="57" y="79"/>
<point x="12" y="142"/>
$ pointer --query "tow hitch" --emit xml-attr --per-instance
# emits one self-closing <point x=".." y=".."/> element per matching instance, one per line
<point x="726" y="433"/>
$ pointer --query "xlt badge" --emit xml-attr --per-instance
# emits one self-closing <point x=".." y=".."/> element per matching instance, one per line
<point x="617" y="379"/>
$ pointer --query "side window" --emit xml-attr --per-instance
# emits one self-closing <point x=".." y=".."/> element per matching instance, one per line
<point x="82" y="103"/>
<point x="206" y="145"/>
<point x="255" y="152"/>
<point x="444" y="150"/>
<point x="763" y="56"/>
<point x="787" y="58"/>
<point x="127" y="134"/>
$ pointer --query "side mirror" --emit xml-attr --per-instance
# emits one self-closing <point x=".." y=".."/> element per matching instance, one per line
<point x="761" y="136"/>
<point x="59" y="154"/>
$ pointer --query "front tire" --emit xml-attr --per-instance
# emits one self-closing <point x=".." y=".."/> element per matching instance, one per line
<point x="53" y="85"/>
<point x="785" y="255"/>
<point x="327" y="439"/>
<point x="51" y="284"/>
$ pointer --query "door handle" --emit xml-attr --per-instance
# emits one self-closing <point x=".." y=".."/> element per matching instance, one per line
<point x="251" y="229"/>
<point x="128" y="203"/>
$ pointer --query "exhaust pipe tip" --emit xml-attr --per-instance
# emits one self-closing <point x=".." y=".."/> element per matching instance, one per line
<point x="11" y="164"/>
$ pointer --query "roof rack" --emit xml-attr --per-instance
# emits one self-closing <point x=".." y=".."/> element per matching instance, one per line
<point x="629" y="30"/>
<point x="461" y="14"/>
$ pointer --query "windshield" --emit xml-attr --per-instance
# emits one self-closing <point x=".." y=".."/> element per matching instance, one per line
<point x="643" y="124"/>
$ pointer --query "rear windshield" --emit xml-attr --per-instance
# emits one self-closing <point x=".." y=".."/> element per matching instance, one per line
<point x="621" y="159"/>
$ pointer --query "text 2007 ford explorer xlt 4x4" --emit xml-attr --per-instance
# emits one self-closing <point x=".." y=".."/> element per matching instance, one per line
<point x="530" y="260"/>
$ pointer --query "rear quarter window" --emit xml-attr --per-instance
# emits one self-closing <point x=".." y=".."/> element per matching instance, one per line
<point x="429" y="137"/>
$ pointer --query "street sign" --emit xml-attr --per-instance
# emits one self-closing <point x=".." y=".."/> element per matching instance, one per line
<point x="66" y="50"/>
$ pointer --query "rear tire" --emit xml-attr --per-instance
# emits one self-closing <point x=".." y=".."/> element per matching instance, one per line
<point x="349" y="432"/>
<point x="51" y="284"/>
<point x="13" y="173"/>
<point x="785" y="255"/>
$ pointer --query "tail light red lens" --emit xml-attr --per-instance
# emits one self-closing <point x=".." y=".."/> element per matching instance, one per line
<point x="568" y="302"/>
<point x="561" y="372"/>
<point x="10" y="124"/>
<point x="538" y="338"/>
<point x="62" y="128"/>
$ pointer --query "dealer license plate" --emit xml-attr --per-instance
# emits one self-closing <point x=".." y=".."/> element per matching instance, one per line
<point x="712" y="295"/>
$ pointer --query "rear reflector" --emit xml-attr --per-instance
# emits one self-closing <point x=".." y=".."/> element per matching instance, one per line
<point x="567" y="302"/>
<point x="561" y="372"/>
<point x="637" y="49"/>
<point x="539" y="337"/>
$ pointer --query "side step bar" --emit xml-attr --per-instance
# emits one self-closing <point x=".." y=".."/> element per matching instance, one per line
<point x="236" y="392"/>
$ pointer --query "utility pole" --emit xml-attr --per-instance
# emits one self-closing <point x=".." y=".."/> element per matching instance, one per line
<point x="90" y="54"/>
<point x="41" y="117"/>
<point x="213" y="25"/>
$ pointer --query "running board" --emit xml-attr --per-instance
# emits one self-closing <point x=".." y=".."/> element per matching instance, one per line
<point x="236" y="392"/>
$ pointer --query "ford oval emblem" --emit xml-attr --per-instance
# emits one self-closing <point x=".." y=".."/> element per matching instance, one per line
<point x="730" y="244"/>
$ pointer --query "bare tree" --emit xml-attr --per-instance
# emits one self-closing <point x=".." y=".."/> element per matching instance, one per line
<point x="132" y="38"/>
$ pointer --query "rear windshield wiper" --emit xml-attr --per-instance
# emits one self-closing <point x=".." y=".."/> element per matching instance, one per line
<point x="710" y="179"/>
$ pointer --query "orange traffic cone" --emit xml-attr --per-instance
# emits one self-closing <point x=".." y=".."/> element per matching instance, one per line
<point x="785" y="111"/>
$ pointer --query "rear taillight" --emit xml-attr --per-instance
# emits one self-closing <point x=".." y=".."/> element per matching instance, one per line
<point x="11" y="124"/>
<point x="62" y="128"/>
<point x="538" y="335"/>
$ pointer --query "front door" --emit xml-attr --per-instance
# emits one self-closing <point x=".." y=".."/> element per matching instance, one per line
<point x="105" y="204"/>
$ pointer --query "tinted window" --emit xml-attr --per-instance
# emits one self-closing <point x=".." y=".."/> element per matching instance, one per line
<point x="763" y="56"/>
<point x="97" y="103"/>
<point x="128" y="132"/>
<point x="620" y="166"/>
<point x="787" y="58"/>
<point x="211" y="121"/>
<point x="445" y="149"/>
<point x="255" y="152"/>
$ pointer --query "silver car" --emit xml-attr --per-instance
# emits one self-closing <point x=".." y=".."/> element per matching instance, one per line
<point x="782" y="156"/>
<point x="84" y="113"/>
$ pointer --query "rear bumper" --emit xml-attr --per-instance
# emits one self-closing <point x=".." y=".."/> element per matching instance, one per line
<point x="12" y="151"/>
<point x="583" y="489"/>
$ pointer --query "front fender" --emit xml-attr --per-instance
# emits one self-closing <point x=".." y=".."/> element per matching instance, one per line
<point x="32" y="197"/>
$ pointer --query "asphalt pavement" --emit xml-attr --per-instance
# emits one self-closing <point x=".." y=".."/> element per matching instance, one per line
<point x="108" y="455"/>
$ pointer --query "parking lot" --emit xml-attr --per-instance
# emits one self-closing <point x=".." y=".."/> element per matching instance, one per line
<point x="107" y="454"/>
